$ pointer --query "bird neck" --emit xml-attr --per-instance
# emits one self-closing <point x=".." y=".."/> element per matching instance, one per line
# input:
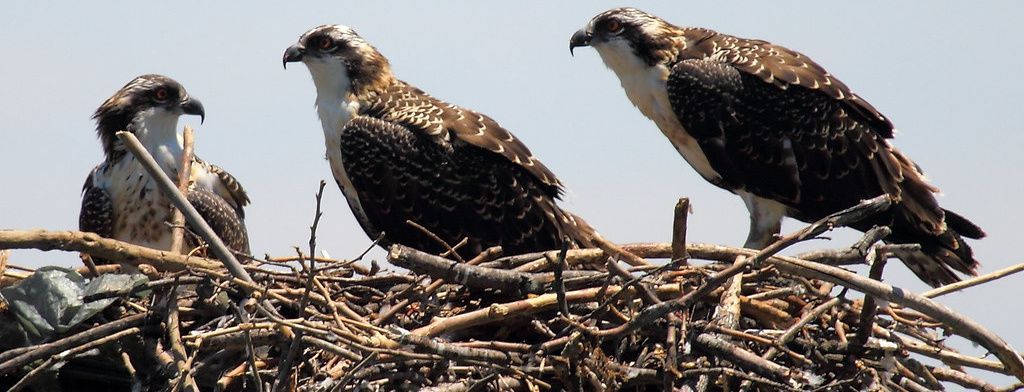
<point x="157" y="130"/>
<point x="340" y="93"/>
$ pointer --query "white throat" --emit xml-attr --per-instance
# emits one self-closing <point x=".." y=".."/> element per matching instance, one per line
<point x="644" y="84"/>
<point x="157" y="130"/>
<point x="332" y="95"/>
<point x="619" y="57"/>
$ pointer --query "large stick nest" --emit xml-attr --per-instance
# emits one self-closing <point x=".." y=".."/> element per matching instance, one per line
<point x="703" y="317"/>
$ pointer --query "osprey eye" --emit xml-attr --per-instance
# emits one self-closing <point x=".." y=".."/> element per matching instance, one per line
<point x="160" y="94"/>
<point x="324" y="43"/>
<point x="614" y="27"/>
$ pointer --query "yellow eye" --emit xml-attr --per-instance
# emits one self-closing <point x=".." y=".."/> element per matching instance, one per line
<point x="160" y="94"/>
<point x="614" y="26"/>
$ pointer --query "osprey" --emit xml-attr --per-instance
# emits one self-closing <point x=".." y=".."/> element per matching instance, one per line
<point x="122" y="201"/>
<point x="772" y="126"/>
<point x="401" y="155"/>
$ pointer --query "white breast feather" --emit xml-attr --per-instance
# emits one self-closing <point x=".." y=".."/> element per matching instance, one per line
<point x="645" y="87"/>
<point x="332" y="84"/>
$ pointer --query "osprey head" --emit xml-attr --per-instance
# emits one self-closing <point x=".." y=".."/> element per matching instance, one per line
<point x="339" y="59"/>
<point x="146" y="99"/>
<point x="626" y="35"/>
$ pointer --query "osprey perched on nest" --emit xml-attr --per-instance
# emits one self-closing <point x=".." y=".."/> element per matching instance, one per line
<point x="401" y="155"/>
<point x="772" y="126"/>
<point x="122" y="201"/>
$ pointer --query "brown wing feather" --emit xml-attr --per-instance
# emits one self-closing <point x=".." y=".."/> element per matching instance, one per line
<point x="412" y="107"/>
<point x="222" y="217"/>
<point x="97" y="213"/>
<point x="233" y="191"/>
<point x="455" y="190"/>
<point x="784" y="67"/>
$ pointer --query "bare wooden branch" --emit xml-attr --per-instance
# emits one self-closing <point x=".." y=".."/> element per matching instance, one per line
<point x="71" y="353"/>
<point x="867" y="313"/>
<point x="461" y="273"/>
<point x="967" y="283"/>
<point x="499" y="312"/>
<point x="13" y="359"/>
<point x="962" y="379"/>
<point x="113" y="250"/>
<point x="725" y="350"/>
<point x="559" y="283"/>
<point x="682" y="210"/>
<point x="484" y="256"/>
<point x="173" y="327"/>
<point x="474" y="276"/>
<point x="184" y="174"/>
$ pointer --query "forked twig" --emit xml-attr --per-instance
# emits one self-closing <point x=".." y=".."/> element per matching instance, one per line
<point x="284" y="370"/>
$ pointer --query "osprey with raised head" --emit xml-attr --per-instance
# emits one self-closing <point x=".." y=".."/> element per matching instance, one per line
<point x="122" y="201"/>
<point x="401" y="155"/>
<point x="772" y="126"/>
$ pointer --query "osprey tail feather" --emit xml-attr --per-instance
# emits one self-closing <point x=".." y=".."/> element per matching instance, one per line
<point x="940" y="232"/>
<point x="940" y="258"/>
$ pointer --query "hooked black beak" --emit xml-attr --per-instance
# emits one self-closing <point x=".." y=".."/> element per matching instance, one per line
<point x="580" y="38"/>
<point x="292" y="54"/>
<point x="193" y="106"/>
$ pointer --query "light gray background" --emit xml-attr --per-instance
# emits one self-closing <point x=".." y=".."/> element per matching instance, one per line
<point x="947" y="74"/>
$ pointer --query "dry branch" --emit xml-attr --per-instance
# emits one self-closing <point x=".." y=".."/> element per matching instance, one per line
<point x="184" y="174"/>
<point x="110" y="249"/>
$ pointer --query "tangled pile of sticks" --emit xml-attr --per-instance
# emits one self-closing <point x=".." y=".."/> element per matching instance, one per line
<point x="706" y="317"/>
<point x="571" y="319"/>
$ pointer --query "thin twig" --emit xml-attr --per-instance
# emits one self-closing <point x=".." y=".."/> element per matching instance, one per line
<point x="450" y="250"/>
<point x="559" y="284"/>
<point x="250" y="349"/>
<point x="69" y="354"/>
<point x="791" y="332"/>
<point x="11" y="360"/>
<point x="964" y="284"/>
<point x="284" y="370"/>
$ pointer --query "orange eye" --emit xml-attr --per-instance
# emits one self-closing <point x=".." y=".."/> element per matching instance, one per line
<point x="614" y="26"/>
<point x="324" y="43"/>
<point x="161" y="94"/>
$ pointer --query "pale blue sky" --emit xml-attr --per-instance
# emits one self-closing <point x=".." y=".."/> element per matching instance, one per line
<point x="946" y="73"/>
